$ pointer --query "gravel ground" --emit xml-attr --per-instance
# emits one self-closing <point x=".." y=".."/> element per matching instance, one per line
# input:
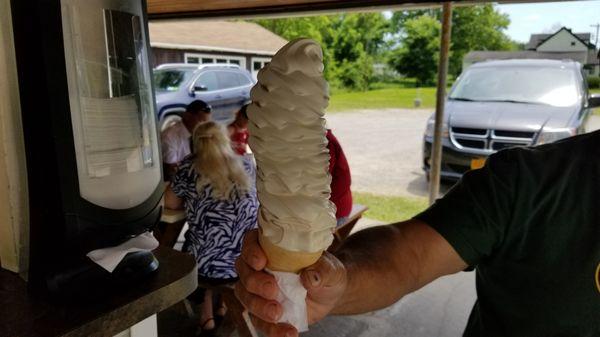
<point x="383" y="148"/>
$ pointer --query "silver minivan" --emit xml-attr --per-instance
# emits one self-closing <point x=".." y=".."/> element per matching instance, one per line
<point x="496" y="105"/>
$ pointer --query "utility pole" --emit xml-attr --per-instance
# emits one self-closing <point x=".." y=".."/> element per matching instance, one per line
<point x="436" y="146"/>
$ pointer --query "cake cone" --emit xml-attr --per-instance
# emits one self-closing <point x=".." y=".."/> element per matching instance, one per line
<point x="280" y="259"/>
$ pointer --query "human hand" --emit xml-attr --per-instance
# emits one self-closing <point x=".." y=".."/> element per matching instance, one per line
<point x="325" y="282"/>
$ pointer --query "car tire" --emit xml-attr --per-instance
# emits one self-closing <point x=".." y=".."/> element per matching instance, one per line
<point x="168" y="121"/>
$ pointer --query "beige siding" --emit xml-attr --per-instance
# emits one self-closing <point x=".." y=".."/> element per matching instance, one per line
<point x="561" y="42"/>
<point x="14" y="217"/>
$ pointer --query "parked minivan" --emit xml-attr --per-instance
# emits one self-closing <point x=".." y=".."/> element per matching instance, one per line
<point x="226" y="87"/>
<point x="496" y="105"/>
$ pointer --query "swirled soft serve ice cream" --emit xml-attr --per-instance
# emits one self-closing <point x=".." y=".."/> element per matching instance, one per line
<point x="287" y="137"/>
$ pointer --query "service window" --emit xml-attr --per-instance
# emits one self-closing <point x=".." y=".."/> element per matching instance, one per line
<point x="227" y="80"/>
<point x="209" y="80"/>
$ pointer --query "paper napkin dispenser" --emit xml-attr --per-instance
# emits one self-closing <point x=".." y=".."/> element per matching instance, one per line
<point x="93" y="162"/>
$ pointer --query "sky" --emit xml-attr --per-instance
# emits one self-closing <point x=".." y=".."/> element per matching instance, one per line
<point x="527" y="19"/>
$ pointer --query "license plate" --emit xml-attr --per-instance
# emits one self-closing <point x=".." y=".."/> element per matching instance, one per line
<point x="477" y="163"/>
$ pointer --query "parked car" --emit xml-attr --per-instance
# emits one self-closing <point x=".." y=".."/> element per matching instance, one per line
<point x="226" y="87"/>
<point x="496" y="105"/>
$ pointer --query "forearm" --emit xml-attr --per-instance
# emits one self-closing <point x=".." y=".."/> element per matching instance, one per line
<point x="379" y="273"/>
<point x="385" y="263"/>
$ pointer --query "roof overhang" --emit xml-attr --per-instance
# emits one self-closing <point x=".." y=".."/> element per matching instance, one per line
<point x="208" y="48"/>
<point x="249" y="8"/>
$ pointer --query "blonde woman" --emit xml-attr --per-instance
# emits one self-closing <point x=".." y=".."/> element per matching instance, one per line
<point x="216" y="188"/>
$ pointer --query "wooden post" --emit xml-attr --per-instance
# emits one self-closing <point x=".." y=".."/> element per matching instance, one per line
<point x="436" y="148"/>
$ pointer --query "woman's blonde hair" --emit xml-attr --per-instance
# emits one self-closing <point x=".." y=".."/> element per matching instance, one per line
<point x="216" y="163"/>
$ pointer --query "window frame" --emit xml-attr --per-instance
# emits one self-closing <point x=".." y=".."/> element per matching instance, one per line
<point x="262" y="60"/>
<point x="214" y="57"/>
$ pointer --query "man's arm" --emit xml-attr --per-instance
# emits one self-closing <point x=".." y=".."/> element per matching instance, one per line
<point x="378" y="266"/>
<point x="387" y="262"/>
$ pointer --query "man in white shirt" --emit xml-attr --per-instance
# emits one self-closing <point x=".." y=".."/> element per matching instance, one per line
<point x="176" y="138"/>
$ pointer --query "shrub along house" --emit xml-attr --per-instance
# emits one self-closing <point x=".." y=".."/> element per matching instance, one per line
<point x="563" y="44"/>
<point x="210" y="41"/>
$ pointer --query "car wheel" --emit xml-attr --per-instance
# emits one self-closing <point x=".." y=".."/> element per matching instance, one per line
<point x="168" y="121"/>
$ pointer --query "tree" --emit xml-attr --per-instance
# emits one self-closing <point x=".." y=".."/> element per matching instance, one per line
<point x="318" y="28"/>
<point x="358" y="39"/>
<point x="417" y="56"/>
<point x="477" y="28"/>
<point x="350" y="43"/>
<point x="473" y="28"/>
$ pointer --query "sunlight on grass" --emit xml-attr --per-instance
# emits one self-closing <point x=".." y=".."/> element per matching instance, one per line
<point x="390" y="209"/>
<point x="381" y="99"/>
<point x="597" y="110"/>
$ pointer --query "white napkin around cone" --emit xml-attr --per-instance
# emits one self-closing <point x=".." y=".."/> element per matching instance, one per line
<point x="292" y="296"/>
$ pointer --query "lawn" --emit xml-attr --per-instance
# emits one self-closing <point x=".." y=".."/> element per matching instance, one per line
<point x="597" y="110"/>
<point x="389" y="209"/>
<point x="381" y="99"/>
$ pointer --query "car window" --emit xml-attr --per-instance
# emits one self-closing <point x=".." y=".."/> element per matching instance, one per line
<point x="243" y="80"/>
<point x="227" y="79"/>
<point x="209" y="80"/>
<point x="171" y="79"/>
<point x="543" y="85"/>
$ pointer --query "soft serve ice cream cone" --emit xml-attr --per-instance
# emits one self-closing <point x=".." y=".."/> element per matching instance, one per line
<point x="287" y="136"/>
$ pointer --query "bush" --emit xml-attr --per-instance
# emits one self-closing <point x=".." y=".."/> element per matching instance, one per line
<point x="593" y="82"/>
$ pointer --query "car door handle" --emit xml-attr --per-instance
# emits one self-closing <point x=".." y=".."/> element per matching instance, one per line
<point x="218" y="96"/>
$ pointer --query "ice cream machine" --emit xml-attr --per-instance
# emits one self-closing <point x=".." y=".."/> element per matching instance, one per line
<point x="93" y="162"/>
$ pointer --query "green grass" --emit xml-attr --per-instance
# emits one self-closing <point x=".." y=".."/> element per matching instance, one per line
<point x="389" y="209"/>
<point x="394" y="97"/>
<point x="381" y="99"/>
<point x="597" y="110"/>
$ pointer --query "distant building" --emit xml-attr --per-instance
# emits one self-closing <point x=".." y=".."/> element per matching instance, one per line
<point x="209" y="41"/>
<point x="561" y="45"/>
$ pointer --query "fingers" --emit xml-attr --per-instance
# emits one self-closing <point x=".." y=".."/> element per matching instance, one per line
<point x="274" y="330"/>
<point x="267" y="310"/>
<point x="257" y="282"/>
<point x="328" y="271"/>
<point x="252" y="253"/>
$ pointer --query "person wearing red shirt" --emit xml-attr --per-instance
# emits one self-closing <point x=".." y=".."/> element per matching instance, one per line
<point x="341" y="195"/>
<point x="238" y="132"/>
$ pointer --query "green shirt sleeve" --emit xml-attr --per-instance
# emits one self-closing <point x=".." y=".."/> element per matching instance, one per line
<point x="474" y="214"/>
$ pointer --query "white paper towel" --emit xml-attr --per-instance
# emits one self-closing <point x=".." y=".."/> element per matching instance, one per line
<point x="292" y="296"/>
<point x="110" y="257"/>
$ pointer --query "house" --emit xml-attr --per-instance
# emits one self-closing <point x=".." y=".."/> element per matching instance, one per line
<point x="563" y="44"/>
<point x="210" y="41"/>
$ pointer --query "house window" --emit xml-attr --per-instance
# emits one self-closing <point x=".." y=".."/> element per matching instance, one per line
<point x="257" y="64"/>
<point x="192" y="59"/>
<point x="210" y="58"/>
<point x="573" y="43"/>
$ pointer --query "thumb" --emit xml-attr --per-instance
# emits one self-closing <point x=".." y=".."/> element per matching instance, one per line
<point x="327" y="272"/>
